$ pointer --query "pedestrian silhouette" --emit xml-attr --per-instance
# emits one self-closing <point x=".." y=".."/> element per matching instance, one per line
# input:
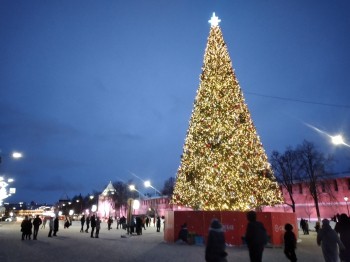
<point x="36" y="224"/>
<point x="256" y="237"/>
<point x="290" y="243"/>
<point x="215" y="248"/>
<point x="329" y="241"/>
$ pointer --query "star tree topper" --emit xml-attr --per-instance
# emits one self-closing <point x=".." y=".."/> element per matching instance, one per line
<point x="214" y="20"/>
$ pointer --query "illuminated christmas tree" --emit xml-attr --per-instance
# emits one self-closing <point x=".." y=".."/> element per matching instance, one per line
<point x="224" y="165"/>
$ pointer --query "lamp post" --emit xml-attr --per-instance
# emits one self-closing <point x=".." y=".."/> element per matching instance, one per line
<point x="148" y="184"/>
<point x="15" y="155"/>
<point x="133" y="188"/>
<point x="346" y="201"/>
<point x="4" y="192"/>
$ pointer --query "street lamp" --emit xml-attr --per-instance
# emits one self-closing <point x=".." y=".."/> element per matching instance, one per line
<point x="4" y="192"/>
<point x="346" y="201"/>
<point x="133" y="188"/>
<point x="81" y="205"/>
<point x="17" y="155"/>
<point x="14" y="154"/>
<point x="148" y="184"/>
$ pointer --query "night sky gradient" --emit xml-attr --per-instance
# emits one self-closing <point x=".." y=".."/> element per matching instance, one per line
<point x="96" y="91"/>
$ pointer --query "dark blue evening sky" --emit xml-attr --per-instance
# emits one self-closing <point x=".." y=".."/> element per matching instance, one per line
<point x="92" y="91"/>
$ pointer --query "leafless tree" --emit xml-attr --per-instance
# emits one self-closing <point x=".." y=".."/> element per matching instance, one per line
<point x="168" y="188"/>
<point x="286" y="167"/>
<point x="313" y="170"/>
<point x="122" y="194"/>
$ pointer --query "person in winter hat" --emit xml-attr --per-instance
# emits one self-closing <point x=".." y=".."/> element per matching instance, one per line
<point x="215" y="248"/>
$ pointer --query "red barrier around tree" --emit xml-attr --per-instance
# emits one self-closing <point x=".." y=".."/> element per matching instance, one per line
<point x="234" y="224"/>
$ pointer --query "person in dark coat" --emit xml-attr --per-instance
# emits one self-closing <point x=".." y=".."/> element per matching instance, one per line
<point x="109" y="223"/>
<point x="256" y="237"/>
<point x="55" y="226"/>
<point x="158" y="224"/>
<point x="25" y="227"/>
<point x="87" y="224"/>
<point x="183" y="234"/>
<point x="343" y="229"/>
<point x="93" y="225"/>
<point x="82" y="222"/>
<point x="215" y="248"/>
<point x="98" y="227"/>
<point x="67" y="223"/>
<point x="317" y="226"/>
<point x="329" y="241"/>
<point x="290" y="243"/>
<point x="36" y="224"/>
<point x="30" y="227"/>
<point x="139" y="225"/>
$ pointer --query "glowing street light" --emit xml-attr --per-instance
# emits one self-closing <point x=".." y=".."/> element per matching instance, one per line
<point x="346" y="201"/>
<point x="148" y="184"/>
<point x="133" y="188"/>
<point x="4" y="192"/>
<point x="337" y="140"/>
<point x="17" y="155"/>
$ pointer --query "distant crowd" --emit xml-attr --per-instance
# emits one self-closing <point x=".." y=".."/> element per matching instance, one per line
<point x="91" y="223"/>
<point x="335" y="243"/>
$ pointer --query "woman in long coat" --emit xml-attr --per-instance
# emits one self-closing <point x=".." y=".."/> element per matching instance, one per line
<point x="215" y="249"/>
<point x="25" y="227"/>
<point x="328" y="239"/>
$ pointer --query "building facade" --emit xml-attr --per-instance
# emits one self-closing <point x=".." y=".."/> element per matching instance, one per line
<point x="334" y="195"/>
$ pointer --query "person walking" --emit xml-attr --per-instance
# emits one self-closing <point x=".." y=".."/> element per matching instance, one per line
<point x="87" y="224"/>
<point x="256" y="237"/>
<point x="158" y="224"/>
<point x="44" y="223"/>
<point x="93" y="225"/>
<point x="215" y="248"/>
<point x="82" y="222"/>
<point x="329" y="241"/>
<point x="30" y="227"/>
<point x="25" y="227"/>
<point x="55" y="226"/>
<point x="51" y="226"/>
<point x="343" y="229"/>
<point x="302" y="225"/>
<point x="36" y="224"/>
<point x="98" y="227"/>
<point x="109" y="223"/>
<point x="290" y="243"/>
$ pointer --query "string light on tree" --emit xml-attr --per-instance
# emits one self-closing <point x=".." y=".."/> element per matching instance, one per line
<point x="223" y="165"/>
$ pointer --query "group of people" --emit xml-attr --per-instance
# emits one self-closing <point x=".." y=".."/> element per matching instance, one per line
<point x="93" y="221"/>
<point x="330" y="240"/>
<point x="255" y="237"/>
<point x="27" y="226"/>
<point x="304" y="225"/>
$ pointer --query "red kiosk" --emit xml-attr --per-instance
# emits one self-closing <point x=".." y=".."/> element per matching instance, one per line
<point x="234" y="224"/>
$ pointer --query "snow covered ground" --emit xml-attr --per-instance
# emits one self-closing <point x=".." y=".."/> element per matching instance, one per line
<point x="71" y="245"/>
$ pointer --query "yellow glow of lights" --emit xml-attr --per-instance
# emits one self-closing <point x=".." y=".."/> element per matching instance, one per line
<point x="223" y="165"/>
